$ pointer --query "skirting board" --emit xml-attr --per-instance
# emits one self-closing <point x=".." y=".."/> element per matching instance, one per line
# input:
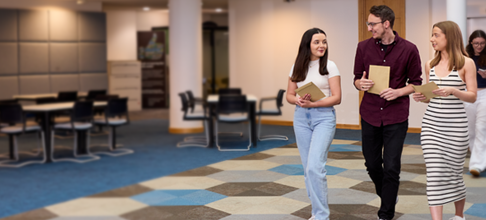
<point x="186" y="130"/>
<point x="340" y="126"/>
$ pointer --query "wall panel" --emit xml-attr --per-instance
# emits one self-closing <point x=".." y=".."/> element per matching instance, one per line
<point x="33" y="25"/>
<point x="63" y="57"/>
<point x="34" y="58"/>
<point x="34" y="84"/>
<point x="8" y="25"/>
<point x="9" y="58"/>
<point x="9" y="86"/>
<point x="64" y="82"/>
<point x="63" y="26"/>
<point x="45" y="51"/>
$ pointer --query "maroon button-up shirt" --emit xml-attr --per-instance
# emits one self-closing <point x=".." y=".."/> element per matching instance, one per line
<point x="403" y="59"/>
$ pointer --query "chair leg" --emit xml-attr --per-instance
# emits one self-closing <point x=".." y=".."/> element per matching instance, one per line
<point x="270" y="136"/>
<point x="75" y="149"/>
<point x="194" y="143"/>
<point x="8" y="163"/>
<point x="114" y="152"/>
<point x="227" y="149"/>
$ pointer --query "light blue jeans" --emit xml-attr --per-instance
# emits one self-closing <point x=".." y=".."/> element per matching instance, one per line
<point x="314" y="130"/>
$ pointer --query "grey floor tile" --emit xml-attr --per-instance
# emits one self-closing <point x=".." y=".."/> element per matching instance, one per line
<point x="247" y="176"/>
<point x="285" y="159"/>
<point x="349" y="196"/>
<point x="299" y="195"/>
<point x="476" y="195"/>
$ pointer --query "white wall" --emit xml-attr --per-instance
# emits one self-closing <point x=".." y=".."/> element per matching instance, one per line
<point x="265" y="36"/>
<point x="122" y="27"/>
<point x="154" y="18"/>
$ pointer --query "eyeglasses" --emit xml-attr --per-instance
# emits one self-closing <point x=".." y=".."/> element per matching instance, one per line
<point x="372" y="24"/>
<point x="478" y="44"/>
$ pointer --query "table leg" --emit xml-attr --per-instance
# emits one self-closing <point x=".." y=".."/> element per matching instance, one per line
<point x="211" y="125"/>
<point x="81" y="142"/>
<point x="254" y="138"/>
<point x="11" y="146"/>
<point x="46" y="126"/>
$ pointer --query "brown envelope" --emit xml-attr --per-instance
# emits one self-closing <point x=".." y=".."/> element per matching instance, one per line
<point x="380" y="76"/>
<point x="312" y="89"/>
<point x="426" y="89"/>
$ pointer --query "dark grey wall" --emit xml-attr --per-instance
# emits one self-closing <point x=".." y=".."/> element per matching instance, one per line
<point x="47" y="51"/>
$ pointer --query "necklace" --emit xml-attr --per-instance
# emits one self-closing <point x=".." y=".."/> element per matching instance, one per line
<point x="310" y="66"/>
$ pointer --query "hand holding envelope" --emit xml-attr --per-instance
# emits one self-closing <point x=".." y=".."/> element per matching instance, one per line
<point x="426" y="90"/>
<point x="380" y="75"/>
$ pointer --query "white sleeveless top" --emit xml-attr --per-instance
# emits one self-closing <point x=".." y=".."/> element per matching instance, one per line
<point x="313" y="75"/>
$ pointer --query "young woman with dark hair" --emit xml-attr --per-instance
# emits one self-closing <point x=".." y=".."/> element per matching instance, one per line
<point x="315" y="122"/>
<point x="476" y="112"/>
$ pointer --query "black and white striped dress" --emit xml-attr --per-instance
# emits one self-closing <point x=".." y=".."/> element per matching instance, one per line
<point x="445" y="140"/>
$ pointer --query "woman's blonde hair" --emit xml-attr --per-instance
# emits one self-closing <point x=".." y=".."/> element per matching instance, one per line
<point x="454" y="47"/>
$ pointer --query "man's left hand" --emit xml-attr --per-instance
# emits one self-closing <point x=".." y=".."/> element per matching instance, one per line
<point x="389" y="94"/>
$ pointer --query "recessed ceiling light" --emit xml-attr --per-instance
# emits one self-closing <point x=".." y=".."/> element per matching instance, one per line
<point x="80" y="2"/>
<point x="146" y="8"/>
<point x="218" y="10"/>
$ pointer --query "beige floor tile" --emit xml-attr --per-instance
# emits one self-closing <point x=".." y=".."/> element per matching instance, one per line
<point x="340" y="182"/>
<point x="337" y="141"/>
<point x="282" y="151"/>
<point x="417" y="205"/>
<point x="348" y="164"/>
<point x="245" y="165"/>
<point x="182" y="183"/>
<point x="294" y="181"/>
<point x="420" y="179"/>
<point x="96" y="207"/>
<point x="258" y="205"/>
<point x="474" y="181"/>
<point x="412" y="151"/>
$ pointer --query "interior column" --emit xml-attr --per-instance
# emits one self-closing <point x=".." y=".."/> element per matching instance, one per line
<point x="185" y="61"/>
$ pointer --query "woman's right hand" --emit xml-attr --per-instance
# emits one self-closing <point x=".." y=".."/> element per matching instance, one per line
<point x="482" y="73"/>
<point x="418" y="97"/>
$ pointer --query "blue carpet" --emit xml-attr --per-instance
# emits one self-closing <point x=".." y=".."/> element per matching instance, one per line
<point x="156" y="155"/>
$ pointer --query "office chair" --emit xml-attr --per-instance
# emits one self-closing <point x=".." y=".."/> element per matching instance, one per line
<point x="232" y="109"/>
<point x="267" y="112"/>
<point x="196" y="141"/>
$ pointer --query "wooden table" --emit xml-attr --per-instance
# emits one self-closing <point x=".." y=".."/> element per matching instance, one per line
<point x="47" y="110"/>
<point x="212" y="101"/>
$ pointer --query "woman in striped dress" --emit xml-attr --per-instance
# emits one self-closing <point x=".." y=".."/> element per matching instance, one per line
<point x="444" y="126"/>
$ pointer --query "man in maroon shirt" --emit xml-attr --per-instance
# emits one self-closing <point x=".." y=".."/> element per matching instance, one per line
<point x="384" y="117"/>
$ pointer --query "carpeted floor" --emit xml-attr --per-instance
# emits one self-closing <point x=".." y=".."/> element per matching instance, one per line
<point x="267" y="185"/>
<point x="160" y="181"/>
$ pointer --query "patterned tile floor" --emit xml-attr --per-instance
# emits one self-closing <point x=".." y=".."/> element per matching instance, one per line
<point x="264" y="186"/>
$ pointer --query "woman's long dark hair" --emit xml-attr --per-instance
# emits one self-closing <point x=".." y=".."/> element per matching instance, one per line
<point x="301" y="65"/>
<point x="470" y="49"/>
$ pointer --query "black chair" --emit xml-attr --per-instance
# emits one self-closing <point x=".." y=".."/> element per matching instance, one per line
<point x="269" y="112"/>
<point x="11" y="115"/>
<point x="198" y="116"/>
<point x="116" y="114"/>
<point x="67" y="96"/>
<point x="193" y="101"/>
<point x="105" y="97"/>
<point x="81" y="118"/>
<point x="232" y="109"/>
<point x="92" y="94"/>
<point x="229" y="91"/>
<point x="7" y="101"/>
